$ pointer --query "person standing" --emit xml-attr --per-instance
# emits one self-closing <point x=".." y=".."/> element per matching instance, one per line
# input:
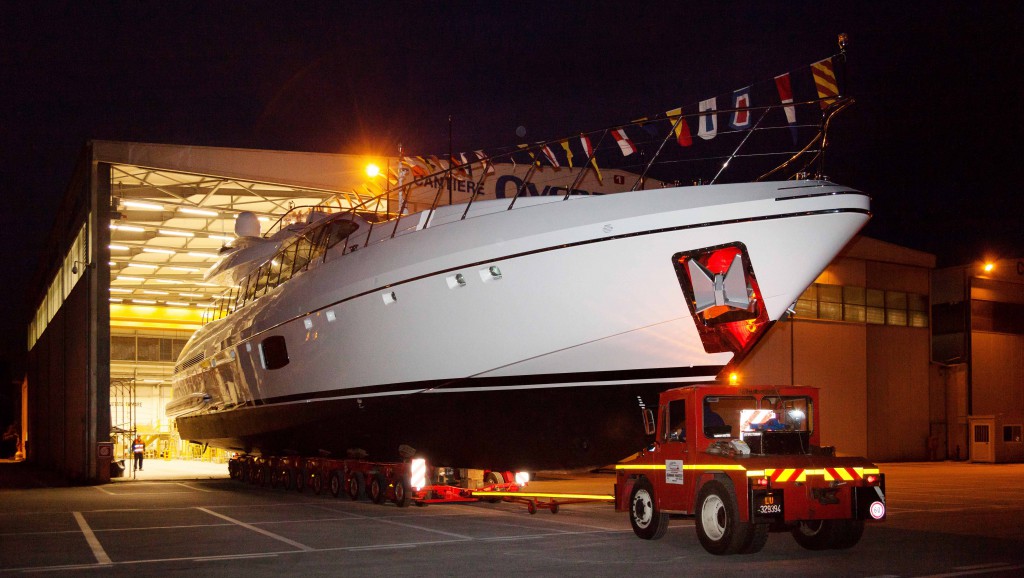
<point x="139" y="449"/>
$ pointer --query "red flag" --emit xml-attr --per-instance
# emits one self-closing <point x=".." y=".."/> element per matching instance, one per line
<point x="550" y="155"/>
<point x="786" y="97"/>
<point x="682" y="129"/>
<point x="589" y="149"/>
<point x="625" y="145"/>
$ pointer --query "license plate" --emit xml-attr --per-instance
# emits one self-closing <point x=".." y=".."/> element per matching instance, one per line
<point x="768" y="505"/>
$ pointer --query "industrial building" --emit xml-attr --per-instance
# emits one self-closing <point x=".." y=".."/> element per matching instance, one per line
<point x="141" y="223"/>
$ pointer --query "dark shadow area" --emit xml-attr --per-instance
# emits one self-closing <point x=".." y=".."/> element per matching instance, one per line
<point x="22" y="475"/>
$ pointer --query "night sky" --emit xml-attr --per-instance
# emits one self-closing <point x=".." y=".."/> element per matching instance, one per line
<point x="937" y="85"/>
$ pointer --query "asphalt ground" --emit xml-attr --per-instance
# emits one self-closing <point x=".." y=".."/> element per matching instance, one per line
<point x="946" y="519"/>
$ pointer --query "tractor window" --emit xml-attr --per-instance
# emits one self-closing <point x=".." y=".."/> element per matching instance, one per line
<point x="677" y="420"/>
<point x="723" y="414"/>
<point x="780" y="414"/>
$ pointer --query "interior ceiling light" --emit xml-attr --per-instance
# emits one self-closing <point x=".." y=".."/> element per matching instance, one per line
<point x="221" y="237"/>
<point x="143" y="265"/>
<point x="131" y="228"/>
<point x="116" y="300"/>
<point x="176" y="233"/>
<point x="201" y="212"/>
<point x="176" y="303"/>
<point x="192" y="295"/>
<point x="161" y="251"/>
<point x="185" y="269"/>
<point x="203" y="255"/>
<point x="119" y="290"/>
<point x="169" y="281"/>
<point x="152" y="292"/>
<point x="141" y="205"/>
<point x="130" y="279"/>
<point x="117" y="247"/>
<point x="144" y="301"/>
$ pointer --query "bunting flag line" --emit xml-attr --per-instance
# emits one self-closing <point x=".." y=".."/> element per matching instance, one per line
<point x="438" y="164"/>
<point x="589" y="149"/>
<point x="739" y="119"/>
<point x="682" y="129"/>
<point x="418" y="170"/>
<point x="786" y="97"/>
<point x="568" y="152"/>
<point x="466" y="165"/>
<point x="550" y="154"/>
<point x="484" y="163"/>
<point x="457" y="168"/>
<point x="825" y="81"/>
<point x="651" y="128"/>
<point x="708" y="123"/>
<point x="741" y="114"/>
<point x="533" y="157"/>
<point x="625" y="145"/>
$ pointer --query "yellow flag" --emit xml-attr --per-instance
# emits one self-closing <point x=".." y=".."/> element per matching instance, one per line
<point x="568" y="153"/>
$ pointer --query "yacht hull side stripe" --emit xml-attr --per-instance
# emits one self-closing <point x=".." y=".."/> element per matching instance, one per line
<point x="507" y="383"/>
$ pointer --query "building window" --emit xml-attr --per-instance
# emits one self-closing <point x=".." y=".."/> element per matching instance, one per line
<point x="862" y="305"/>
<point x="1011" y="433"/>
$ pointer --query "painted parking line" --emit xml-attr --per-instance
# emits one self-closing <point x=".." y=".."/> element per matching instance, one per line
<point x="90" y="538"/>
<point x="266" y="533"/>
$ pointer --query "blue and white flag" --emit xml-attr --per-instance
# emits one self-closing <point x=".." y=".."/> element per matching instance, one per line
<point x="708" y="122"/>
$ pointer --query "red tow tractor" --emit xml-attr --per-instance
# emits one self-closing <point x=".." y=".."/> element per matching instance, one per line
<point x="743" y="462"/>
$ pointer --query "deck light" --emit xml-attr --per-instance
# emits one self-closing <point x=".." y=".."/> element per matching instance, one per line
<point x="734" y="378"/>
<point x="372" y="170"/>
<point x="988" y="267"/>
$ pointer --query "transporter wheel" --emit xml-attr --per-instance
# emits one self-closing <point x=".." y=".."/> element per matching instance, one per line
<point x="493" y="479"/>
<point x="355" y="486"/>
<point x="316" y="481"/>
<point x="648" y="522"/>
<point x="335" y="483"/>
<point x="378" y="488"/>
<point x="403" y="492"/>
<point x="817" y="534"/>
<point x="825" y="534"/>
<point x="300" y="480"/>
<point x="718" y="523"/>
<point x="849" y="533"/>
<point x="288" y="478"/>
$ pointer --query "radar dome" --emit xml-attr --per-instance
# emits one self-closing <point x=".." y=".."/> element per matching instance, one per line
<point x="247" y="225"/>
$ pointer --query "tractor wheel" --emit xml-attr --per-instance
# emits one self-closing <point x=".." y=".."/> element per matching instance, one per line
<point x="648" y="522"/>
<point x="335" y="483"/>
<point x="355" y="486"/>
<point x="719" y="527"/>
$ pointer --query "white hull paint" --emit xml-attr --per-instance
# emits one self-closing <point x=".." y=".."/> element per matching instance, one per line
<point x="587" y="296"/>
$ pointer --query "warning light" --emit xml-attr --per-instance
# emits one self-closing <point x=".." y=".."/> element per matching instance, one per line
<point x="734" y="378"/>
<point x="372" y="170"/>
<point x="988" y="267"/>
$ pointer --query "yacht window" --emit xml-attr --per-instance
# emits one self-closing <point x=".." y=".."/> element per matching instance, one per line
<point x="273" y="352"/>
<point x="303" y="247"/>
<point x="338" y="231"/>
<point x="287" y="258"/>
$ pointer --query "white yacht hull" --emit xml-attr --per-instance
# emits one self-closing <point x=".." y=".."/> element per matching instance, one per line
<point x="541" y="325"/>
